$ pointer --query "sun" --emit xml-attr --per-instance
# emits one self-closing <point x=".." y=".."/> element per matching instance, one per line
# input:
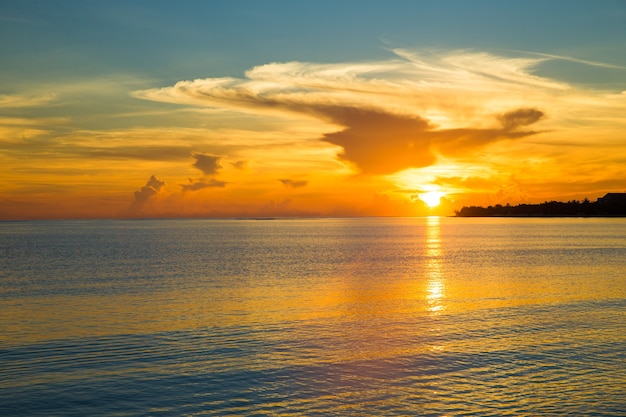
<point x="431" y="198"/>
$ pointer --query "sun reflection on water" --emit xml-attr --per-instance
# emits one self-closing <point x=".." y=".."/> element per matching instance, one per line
<point x="435" y="286"/>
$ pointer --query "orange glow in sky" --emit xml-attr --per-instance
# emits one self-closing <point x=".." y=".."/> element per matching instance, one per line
<point x="230" y="120"/>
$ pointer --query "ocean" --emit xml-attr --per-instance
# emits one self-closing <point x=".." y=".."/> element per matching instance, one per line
<point x="425" y="316"/>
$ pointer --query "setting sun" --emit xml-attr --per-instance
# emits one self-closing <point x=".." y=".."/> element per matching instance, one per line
<point x="431" y="198"/>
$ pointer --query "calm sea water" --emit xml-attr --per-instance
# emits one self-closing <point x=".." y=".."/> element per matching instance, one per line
<point x="382" y="317"/>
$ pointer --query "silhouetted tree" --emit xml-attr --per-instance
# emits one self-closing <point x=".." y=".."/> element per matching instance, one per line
<point x="585" y="208"/>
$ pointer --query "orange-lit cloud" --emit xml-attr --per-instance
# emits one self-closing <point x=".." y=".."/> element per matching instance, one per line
<point x="146" y="194"/>
<point x="240" y="164"/>
<point x="208" y="164"/>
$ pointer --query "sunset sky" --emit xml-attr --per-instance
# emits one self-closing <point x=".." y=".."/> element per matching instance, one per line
<point x="318" y="108"/>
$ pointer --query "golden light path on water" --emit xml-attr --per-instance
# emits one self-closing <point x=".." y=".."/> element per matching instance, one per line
<point x="434" y="254"/>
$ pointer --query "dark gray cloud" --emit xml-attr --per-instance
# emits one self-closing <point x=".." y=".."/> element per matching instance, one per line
<point x="208" y="164"/>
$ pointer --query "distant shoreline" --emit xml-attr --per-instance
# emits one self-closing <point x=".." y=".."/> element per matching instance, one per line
<point x="538" y="216"/>
<point x="611" y="205"/>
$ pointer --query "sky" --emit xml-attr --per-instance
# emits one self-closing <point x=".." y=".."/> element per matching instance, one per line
<point x="143" y="109"/>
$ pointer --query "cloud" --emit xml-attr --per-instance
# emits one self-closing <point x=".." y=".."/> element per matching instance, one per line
<point x="154" y="153"/>
<point x="173" y="144"/>
<point x="13" y="101"/>
<point x="406" y="112"/>
<point x="208" y="164"/>
<point x="580" y="61"/>
<point x="195" y="185"/>
<point x="145" y="194"/>
<point x="520" y="117"/>
<point x="240" y="164"/>
<point x="293" y="183"/>
<point x="384" y="143"/>
<point x="152" y="187"/>
<point x="380" y="142"/>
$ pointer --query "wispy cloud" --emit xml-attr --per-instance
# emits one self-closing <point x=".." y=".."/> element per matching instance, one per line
<point x="15" y="100"/>
<point x="572" y="59"/>
<point x="240" y="164"/>
<point x="289" y="183"/>
<point x="195" y="185"/>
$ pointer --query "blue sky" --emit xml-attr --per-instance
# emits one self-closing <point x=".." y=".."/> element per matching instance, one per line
<point x="168" y="40"/>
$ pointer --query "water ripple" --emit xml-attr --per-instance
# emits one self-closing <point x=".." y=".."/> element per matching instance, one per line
<point x="388" y="317"/>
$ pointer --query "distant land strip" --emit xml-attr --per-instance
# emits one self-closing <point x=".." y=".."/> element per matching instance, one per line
<point x="611" y="205"/>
